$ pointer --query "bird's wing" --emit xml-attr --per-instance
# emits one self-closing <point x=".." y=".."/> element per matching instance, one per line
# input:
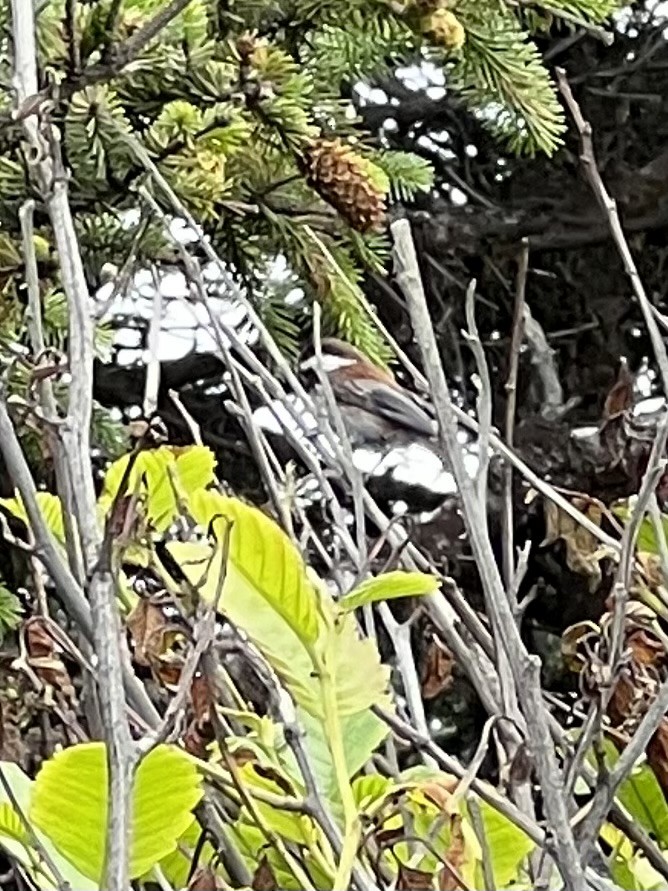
<point x="393" y="403"/>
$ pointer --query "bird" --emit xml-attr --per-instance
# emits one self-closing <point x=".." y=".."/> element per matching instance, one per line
<point x="375" y="409"/>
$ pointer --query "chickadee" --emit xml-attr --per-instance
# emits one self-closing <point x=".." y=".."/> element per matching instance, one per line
<point x="375" y="409"/>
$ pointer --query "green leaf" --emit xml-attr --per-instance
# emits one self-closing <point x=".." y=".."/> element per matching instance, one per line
<point x="361" y="679"/>
<point x="390" y="586"/>
<point x="70" y="803"/>
<point x="641" y="795"/>
<point x="50" y="508"/>
<point x="16" y="841"/>
<point x="269" y="594"/>
<point x="263" y="558"/>
<point x="164" y="476"/>
<point x="176" y="866"/>
<point x="371" y="789"/>
<point x="10" y="611"/>
<point x="508" y="846"/>
<point x="291" y="825"/>
<point x="628" y="867"/>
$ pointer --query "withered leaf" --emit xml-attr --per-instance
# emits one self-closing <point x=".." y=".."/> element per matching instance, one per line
<point x="44" y="659"/>
<point x="200" y="696"/>
<point x="197" y="738"/>
<point x="620" y="398"/>
<point x="204" y="879"/>
<point x="39" y="642"/>
<point x="414" y="879"/>
<point x="437" y="669"/>
<point x="646" y="647"/>
<point x="152" y="634"/>
<point x="657" y="754"/>
<point x="573" y="642"/>
<point x="439" y="789"/>
<point x="583" y="551"/>
<point x="264" y="878"/>
<point x="448" y="879"/>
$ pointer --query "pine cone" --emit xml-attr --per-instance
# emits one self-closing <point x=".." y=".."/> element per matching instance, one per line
<point x="345" y="180"/>
<point x="444" y="28"/>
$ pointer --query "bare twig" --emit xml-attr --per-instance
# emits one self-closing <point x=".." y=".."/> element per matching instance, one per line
<point x="152" y="384"/>
<point x="46" y="166"/>
<point x="544" y="366"/>
<point x="525" y="668"/>
<point x="511" y="402"/>
<point x="607" y="788"/>
<point x="609" y="207"/>
<point x="191" y="423"/>
<point x="45" y="390"/>
<point x="484" y="399"/>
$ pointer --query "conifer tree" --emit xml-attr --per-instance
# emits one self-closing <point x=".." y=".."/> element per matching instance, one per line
<point x="241" y="108"/>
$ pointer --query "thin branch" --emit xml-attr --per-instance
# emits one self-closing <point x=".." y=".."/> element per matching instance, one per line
<point x="46" y="167"/>
<point x="152" y="384"/>
<point x="609" y="207"/>
<point x="46" y="548"/>
<point x="525" y="668"/>
<point x="511" y="402"/>
<point x="484" y="399"/>
<point x="607" y="789"/>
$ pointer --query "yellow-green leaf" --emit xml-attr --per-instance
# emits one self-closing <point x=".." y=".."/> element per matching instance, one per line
<point x="508" y="846"/>
<point x="50" y="508"/>
<point x="15" y="840"/>
<point x="163" y="476"/>
<point x="70" y="804"/>
<point x="389" y="586"/>
<point x="263" y="557"/>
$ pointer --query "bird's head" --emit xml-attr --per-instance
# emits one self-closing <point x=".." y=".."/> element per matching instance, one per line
<point x="341" y="360"/>
<point x="336" y="354"/>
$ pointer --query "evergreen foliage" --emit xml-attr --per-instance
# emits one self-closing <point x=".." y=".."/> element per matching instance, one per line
<point x="232" y="100"/>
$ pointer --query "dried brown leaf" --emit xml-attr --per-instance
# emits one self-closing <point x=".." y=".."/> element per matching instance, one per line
<point x="620" y="398"/>
<point x="437" y="669"/>
<point x="583" y="551"/>
<point x="414" y="879"/>
<point x="204" y="879"/>
<point x="264" y="878"/>
<point x="448" y="879"/>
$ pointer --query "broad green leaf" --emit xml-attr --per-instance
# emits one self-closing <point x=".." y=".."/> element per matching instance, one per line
<point x="389" y="586"/>
<point x="641" y="795"/>
<point x="50" y="508"/>
<point x="10" y="611"/>
<point x="252" y="844"/>
<point x="69" y="804"/>
<point x="291" y="825"/>
<point x="508" y="846"/>
<point x="261" y="556"/>
<point x="176" y="866"/>
<point x="368" y="790"/>
<point x="15" y="840"/>
<point x="646" y="538"/>
<point x="164" y="476"/>
<point x="628" y="867"/>
<point x="249" y="610"/>
<point x="362" y="734"/>
<point x="361" y="678"/>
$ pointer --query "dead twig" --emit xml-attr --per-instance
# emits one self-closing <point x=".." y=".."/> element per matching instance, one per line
<point x="511" y="402"/>
<point x="525" y="668"/>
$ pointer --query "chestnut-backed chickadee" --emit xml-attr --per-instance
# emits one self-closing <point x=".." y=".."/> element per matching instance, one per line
<point x="375" y="409"/>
